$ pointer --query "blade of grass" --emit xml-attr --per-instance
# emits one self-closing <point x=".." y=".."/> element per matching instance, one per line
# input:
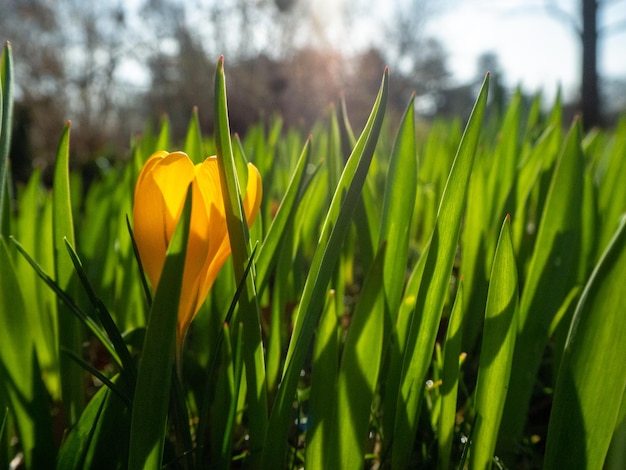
<point x="398" y="203"/>
<point x="237" y="365"/>
<point x="450" y="381"/>
<point x="432" y="291"/>
<point x="323" y="393"/>
<point x="152" y="393"/>
<point x="70" y="335"/>
<point x="20" y="377"/>
<point x="496" y="354"/>
<point x="163" y="140"/>
<point x="87" y="367"/>
<point x="215" y="355"/>
<point x="193" y="139"/>
<point x="592" y="379"/>
<point x="358" y="373"/>
<point x="142" y="273"/>
<point x="6" y="119"/>
<point x="105" y="317"/>
<point x="555" y="258"/>
<point x="239" y="242"/>
<point x="100" y="438"/>
<point x="334" y="230"/>
<point x="72" y="308"/>
<point x="284" y="219"/>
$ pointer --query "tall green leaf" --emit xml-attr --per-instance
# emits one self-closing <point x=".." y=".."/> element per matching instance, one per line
<point x="152" y="393"/>
<point x="6" y="120"/>
<point x="497" y="349"/>
<point x="591" y="382"/>
<point x="358" y="373"/>
<point x="433" y="288"/>
<point x="551" y="275"/>
<point x="20" y="376"/>
<point x="69" y="331"/>
<point x="239" y="241"/>
<point x="450" y="381"/>
<point x="323" y="395"/>
<point x="193" y="139"/>
<point x="334" y="231"/>
<point x="398" y="203"/>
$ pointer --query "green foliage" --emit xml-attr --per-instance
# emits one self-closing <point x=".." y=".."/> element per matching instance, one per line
<point x="385" y="318"/>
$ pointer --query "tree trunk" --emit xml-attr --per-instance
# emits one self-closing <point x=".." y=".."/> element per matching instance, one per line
<point x="590" y="99"/>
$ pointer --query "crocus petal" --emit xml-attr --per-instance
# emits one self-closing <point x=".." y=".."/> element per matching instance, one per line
<point x="159" y="196"/>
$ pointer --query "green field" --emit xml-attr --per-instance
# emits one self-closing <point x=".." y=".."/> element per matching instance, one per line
<point x="440" y="295"/>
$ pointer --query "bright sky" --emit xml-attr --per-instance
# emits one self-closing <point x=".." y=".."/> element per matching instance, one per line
<point x="536" y="49"/>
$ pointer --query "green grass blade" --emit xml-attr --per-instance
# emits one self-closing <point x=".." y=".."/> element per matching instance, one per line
<point x="193" y="139"/>
<point x="283" y="220"/>
<point x="6" y="119"/>
<point x="323" y="394"/>
<point x="152" y="393"/>
<point x="360" y="366"/>
<point x="20" y="377"/>
<point x="69" y="331"/>
<point x="398" y="204"/>
<point x="592" y="378"/>
<point x="434" y="287"/>
<point x="100" y="438"/>
<point x="105" y="317"/>
<point x="334" y="231"/>
<point x="496" y="354"/>
<point x="237" y="366"/>
<point x="555" y="257"/>
<point x="33" y="230"/>
<point x="239" y="242"/>
<point x="163" y="140"/>
<point x="612" y="194"/>
<point x="450" y="381"/>
<point x="71" y="307"/>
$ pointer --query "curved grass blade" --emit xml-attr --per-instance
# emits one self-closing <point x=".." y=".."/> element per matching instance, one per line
<point x="142" y="273"/>
<point x="239" y="242"/>
<point x="154" y="380"/>
<point x="100" y="438"/>
<point x="100" y="376"/>
<point x="105" y="317"/>
<point x="6" y="120"/>
<point x="334" y="231"/>
<point x="323" y="392"/>
<point x="592" y="380"/>
<point x="20" y="377"/>
<point x="556" y="256"/>
<point x="163" y="140"/>
<point x="69" y="332"/>
<point x="237" y="365"/>
<point x="215" y="355"/>
<point x="72" y="308"/>
<point x="450" y="380"/>
<point x="193" y="139"/>
<point x="360" y="366"/>
<point x="283" y="220"/>
<point x="496" y="354"/>
<point x="433" y="288"/>
<point x="398" y="204"/>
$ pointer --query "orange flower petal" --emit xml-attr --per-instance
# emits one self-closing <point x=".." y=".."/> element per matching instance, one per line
<point x="159" y="197"/>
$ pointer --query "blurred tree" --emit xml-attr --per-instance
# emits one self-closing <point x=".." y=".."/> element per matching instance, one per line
<point x="66" y="55"/>
<point x="419" y="60"/>
<point x="585" y="26"/>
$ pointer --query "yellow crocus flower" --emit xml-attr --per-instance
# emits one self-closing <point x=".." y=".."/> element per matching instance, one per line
<point x="159" y="198"/>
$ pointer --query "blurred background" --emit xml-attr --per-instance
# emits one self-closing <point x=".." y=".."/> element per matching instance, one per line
<point x="111" y="66"/>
